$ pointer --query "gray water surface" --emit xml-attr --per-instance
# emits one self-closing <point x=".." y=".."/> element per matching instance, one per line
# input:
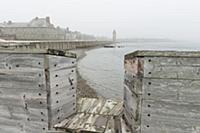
<point x="103" y="67"/>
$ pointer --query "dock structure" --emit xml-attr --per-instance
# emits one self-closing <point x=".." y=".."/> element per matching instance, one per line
<point x="59" y="44"/>
<point x="161" y="91"/>
<point x="37" y="89"/>
<point x="38" y="94"/>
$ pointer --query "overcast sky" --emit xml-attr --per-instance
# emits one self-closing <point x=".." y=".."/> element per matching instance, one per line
<point x="175" y="19"/>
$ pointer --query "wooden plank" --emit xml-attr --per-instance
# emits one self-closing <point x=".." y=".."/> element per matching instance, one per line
<point x="21" y="92"/>
<point x="12" y="100"/>
<point x="22" y="74"/>
<point x="65" y="81"/>
<point x="170" y="71"/>
<point x="62" y="73"/>
<point x="23" y="114"/>
<point x="37" y="115"/>
<point x="36" y="102"/>
<point x="174" y="72"/>
<point x="124" y="127"/>
<point x="134" y="67"/>
<point x="133" y="124"/>
<point x="36" y="127"/>
<point x="62" y="112"/>
<point x="11" y="129"/>
<point x="37" y="51"/>
<point x="162" y="53"/>
<point x="84" y="123"/>
<point x="87" y="105"/>
<point x="173" y="90"/>
<point x="24" y="61"/>
<point x="170" y="116"/>
<point x="110" y="128"/>
<point x="57" y="132"/>
<point x="12" y="123"/>
<point x="100" y="106"/>
<point x="58" y="62"/>
<point x="134" y="84"/>
<point x="132" y="103"/>
<point x="57" y="102"/>
<point x="173" y="61"/>
<point x="111" y="107"/>
<point x="66" y="90"/>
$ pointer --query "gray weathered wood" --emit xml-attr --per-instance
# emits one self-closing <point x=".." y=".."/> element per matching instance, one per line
<point x="162" y="53"/>
<point x="168" y="91"/>
<point x="26" y="88"/>
<point x="165" y="116"/>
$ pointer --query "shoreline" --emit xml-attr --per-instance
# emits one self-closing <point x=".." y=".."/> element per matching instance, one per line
<point x="83" y="89"/>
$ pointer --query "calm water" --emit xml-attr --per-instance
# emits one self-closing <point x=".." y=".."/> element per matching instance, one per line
<point x="103" y="67"/>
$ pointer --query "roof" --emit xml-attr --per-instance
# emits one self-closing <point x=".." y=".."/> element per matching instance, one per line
<point x="14" y="24"/>
<point x="36" y="22"/>
<point x="153" y="53"/>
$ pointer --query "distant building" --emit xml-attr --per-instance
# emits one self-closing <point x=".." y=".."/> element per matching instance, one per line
<point x="39" y="29"/>
<point x="36" y="29"/>
<point x="114" y="35"/>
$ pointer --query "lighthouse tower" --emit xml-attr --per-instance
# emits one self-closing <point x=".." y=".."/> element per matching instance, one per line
<point x="114" y="35"/>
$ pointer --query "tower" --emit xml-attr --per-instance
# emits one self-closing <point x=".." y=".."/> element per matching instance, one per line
<point x="114" y="35"/>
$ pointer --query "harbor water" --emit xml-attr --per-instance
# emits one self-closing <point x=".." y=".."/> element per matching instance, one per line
<point x="103" y="70"/>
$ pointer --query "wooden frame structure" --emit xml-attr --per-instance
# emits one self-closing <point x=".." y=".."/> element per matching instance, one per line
<point x="161" y="91"/>
<point x="37" y="89"/>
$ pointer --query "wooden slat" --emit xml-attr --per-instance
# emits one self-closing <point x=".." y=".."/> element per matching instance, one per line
<point x="36" y="127"/>
<point x="173" y="90"/>
<point x="134" y="67"/>
<point x="11" y="129"/>
<point x="61" y="101"/>
<point x="85" y="122"/>
<point x="124" y="127"/>
<point x="37" y="115"/>
<point x="37" y="102"/>
<point x="100" y="106"/>
<point x="12" y="100"/>
<point x="174" y="61"/>
<point x="110" y="128"/>
<point x="132" y="103"/>
<point x="170" y="71"/>
<point x="134" y="84"/>
<point x="58" y="62"/>
<point x="60" y="113"/>
<point x="21" y="61"/>
<point x="162" y="53"/>
<point x="165" y="116"/>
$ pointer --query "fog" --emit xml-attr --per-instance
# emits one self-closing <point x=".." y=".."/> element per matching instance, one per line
<point x="175" y="19"/>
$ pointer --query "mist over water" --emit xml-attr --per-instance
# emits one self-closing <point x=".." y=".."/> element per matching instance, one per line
<point x="103" y="68"/>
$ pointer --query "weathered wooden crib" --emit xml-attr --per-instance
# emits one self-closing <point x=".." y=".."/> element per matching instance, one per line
<point x="38" y="94"/>
<point x="37" y="89"/>
<point x="162" y="91"/>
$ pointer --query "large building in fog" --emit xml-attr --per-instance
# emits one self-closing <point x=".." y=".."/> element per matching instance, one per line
<point x="36" y="29"/>
<point x="39" y="29"/>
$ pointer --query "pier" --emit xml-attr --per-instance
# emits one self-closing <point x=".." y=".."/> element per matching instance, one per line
<point x="59" y="45"/>
<point x="39" y="94"/>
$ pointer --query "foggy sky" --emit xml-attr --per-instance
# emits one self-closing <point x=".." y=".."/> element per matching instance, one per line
<point x="175" y="19"/>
